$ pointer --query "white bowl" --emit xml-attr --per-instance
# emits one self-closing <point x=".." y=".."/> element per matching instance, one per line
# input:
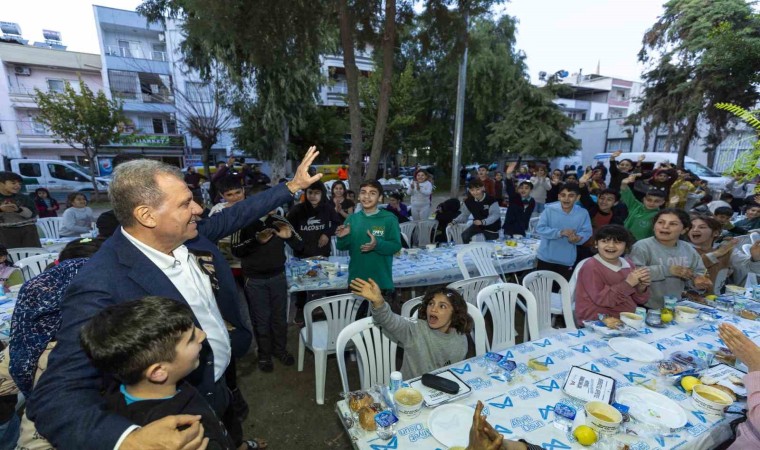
<point x="608" y="427"/>
<point x="632" y="320"/>
<point x="715" y="405"/>
<point x="406" y="411"/>
<point x="685" y="314"/>
<point x="430" y="247"/>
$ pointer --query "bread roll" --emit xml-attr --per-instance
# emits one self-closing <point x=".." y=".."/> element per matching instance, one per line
<point x="367" y="416"/>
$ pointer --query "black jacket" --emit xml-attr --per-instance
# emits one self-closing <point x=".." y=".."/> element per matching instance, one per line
<point x="262" y="260"/>
<point x="518" y="212"/>
<point x="311" y="223"/>
<point x="618" y="214"/>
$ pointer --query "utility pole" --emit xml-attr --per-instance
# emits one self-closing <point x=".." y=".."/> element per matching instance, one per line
<point x="459" y="119"/>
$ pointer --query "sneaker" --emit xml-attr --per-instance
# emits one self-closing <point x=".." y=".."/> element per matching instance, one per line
<point x="265" y="365"/>
<point x="287" y="359"/>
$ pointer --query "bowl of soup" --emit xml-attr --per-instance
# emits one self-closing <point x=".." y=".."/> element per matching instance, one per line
<point x="603" y="418"/>
<point x="709" y="399"/>
<point x="685" y="314"/>
<point x="408" y="403"/>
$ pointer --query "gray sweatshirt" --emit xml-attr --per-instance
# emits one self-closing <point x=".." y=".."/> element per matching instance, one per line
<point x="425" y="349"/>
<point x="76" y="221"/>
<point x="658" y="258"/>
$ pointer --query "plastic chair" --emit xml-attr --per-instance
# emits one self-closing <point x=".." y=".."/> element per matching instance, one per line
<point x="479" y="335"/>
<point x="426" y="230"/>
<point x="376" y="353"/>
<point x="50" y="226"/>
<point x="454" y="233"/>
<point x="35" y="265"/>
<point x="480" y="254"/>
<point x="501" y="301"/>
<point x="19" y="253"/>
<point x="540" y="283"/>
<point x="320" y="337"/>
<point x="407" y="229"/>
<point x="532" y="223"/>
<point x="470" y="288"/>
<point x="409" y="307"/>
<point x="334" y="248"/>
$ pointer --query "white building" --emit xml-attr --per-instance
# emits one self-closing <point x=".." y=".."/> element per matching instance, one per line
<point x="24" y="68"/>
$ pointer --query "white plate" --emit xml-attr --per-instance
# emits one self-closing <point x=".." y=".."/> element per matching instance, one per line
<point x="450" y="424"/>
<point x="635" y="349"/>
<point x="651" y="407"/>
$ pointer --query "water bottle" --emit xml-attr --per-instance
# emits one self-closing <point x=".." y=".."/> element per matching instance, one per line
<point x="94" y="230"/>
<point x="395" y="383"/>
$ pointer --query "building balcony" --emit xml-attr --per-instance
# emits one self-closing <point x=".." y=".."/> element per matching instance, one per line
<point x="619" y="103"/>
<point x="34" y="135"/>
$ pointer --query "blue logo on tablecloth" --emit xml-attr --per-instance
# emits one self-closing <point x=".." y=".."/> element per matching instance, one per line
<point x="509" y="354"/>
<point x="506" y="403"/>
<point x="623" y="358"/>
<point x="478" y="383"/>
<point x="646" y="331"/>
<point x="660" y="440"/>
<point x="561" y="376"/>
<point x="561" y="354"/>
<point x="631" y="375"/>
<point x="527" y="423"/>
<point x="464" y="369"/>
<point x="393" y="443"/>
<point x="661" y="347"/>
<point x="696" y="430"/>
<point x="641" y="445"/>
<point x="502" y="429"/>
<point x="545" y="411"/>
<point x="685" y="338"/>
<point x="524" y="348"/>
<point x="552" y="386"/>
<point x="594" y="368"/>
<point x="700" y="415"/>
<point x="596" y="343"/>
<point x="414" y="433"/>
<point x="720" y="341"/>
<point x="555" y="445"/>
<point x="583" y="349"/>
<point x="706" y="345"/>
<point x="524" y="393"/>
<point x="543" y="344"/>
<point x="608" y="363"/>
<point x="746" y="333"/>
<point x="577" y="334"/>
<point x="710" y="328"/>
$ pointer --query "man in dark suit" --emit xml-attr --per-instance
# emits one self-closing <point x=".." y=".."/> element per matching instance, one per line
<point x="162" y="250"/>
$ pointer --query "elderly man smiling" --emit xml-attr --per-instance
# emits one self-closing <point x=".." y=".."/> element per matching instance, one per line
<point x="161" y="249"/>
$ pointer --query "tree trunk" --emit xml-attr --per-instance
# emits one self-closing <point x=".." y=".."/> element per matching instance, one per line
<point x="94" y="171"/>
<point x="384" y="101"/>
<point x="205" y="156"/>
<point x="352" y="83"/>
<point x="280" y="156"/>
<point x="688" y="135"/>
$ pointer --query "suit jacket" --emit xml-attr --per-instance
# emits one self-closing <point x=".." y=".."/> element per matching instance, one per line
<point x="66" y="404"/>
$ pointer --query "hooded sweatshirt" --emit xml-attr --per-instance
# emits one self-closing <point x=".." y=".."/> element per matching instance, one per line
<point x="311" y="223"/>
<point x="639" y="221"/>
<point x="557" y="249"/>
<point x="377" y="263"/>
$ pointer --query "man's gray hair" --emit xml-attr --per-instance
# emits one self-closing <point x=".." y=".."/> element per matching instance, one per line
<point x="133" y="184"/>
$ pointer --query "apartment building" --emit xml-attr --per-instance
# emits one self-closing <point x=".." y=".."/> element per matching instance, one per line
<point x="24" y="68"/>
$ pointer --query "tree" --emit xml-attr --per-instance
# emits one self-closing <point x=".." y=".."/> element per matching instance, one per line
<point x="698" y="54"/>
<point x="84" y="120"/>
<point x="746" y="166"/>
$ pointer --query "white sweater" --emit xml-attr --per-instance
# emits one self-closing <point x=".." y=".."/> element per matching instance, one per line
<point x="421" y="195"/>
<point x="76" y="221"/>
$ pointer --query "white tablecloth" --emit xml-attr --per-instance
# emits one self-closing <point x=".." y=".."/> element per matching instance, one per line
<point x="426" y="268"/>
<point x="522" y="409"/>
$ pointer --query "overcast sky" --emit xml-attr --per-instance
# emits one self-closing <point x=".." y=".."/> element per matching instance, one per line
<point x="555" y="34"/>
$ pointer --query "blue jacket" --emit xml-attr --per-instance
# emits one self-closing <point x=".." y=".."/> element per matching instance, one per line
<point x="555" y="248"/>
<point x="66" y="404"/>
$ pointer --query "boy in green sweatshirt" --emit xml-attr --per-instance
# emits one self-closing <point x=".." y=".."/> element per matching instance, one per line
<point x="640" y="214"/>
<point x="371" y="236"/>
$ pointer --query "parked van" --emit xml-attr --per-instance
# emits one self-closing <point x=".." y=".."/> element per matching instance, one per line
<point x="652" y="160"/>
<point x="59" y="177"/>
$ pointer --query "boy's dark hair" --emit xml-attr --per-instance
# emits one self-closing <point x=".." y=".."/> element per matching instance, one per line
<point x="655" y="193"/>
<point x="609" y="192"/>
<point x="397" y="196"/>
<point x="374" y="184"/>
<point x="228" y="183"/>
<point x="572" y="187"/>
<point x="723" y="211"/>
<point x="617" y="233"/>
<point x="526" y="183"/>
<point x="81" y="248"/>
<point x="682" y="215"/>
<point x="349" y="191"/>
<point x="10" y="176"/>
<point x="460" y="318"/>
<point x="127" y="338"/>
<point x="73" y="196"/>
<point x="483" y="166"/>
<point x="476" y="183"/>
<point x="319" y="186"/>
<point x="727" y="197"/>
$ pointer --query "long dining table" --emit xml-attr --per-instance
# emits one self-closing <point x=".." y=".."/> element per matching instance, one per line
<point x="421" y="267"/>
<point x="523" y="407"/>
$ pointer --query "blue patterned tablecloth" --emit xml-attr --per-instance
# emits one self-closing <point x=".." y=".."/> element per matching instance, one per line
<point x="427" y="268"/>
<point x="522" y="408"/>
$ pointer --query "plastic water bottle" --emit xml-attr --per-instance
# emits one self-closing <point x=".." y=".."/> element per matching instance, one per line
<point x="94" y="230"/>
<point x="395" y="383"/>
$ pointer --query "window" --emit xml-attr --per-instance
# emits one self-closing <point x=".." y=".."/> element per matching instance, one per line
<point x="55" y="85"/>
<point x="158" y="126"/>
<point x="159" y="52"/>
<point x="198" y="92"/>
<point x="123" y="84"/>
<point x="598" y="116"/>
<point x="130" y="49"/>
<point x="614" y="145"/>
<point x="30" y="169"/>
<point x="62" y="172"/>
<point x="620" y="94"/>
<point x="37" y="126"/>
<point x="583" y="116"/>
<point x="171" y="127"/>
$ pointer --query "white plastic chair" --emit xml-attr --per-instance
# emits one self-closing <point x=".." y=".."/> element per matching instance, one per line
<point x="320" y="337"/>
<point x="35" y="265"/>
<point x="481" y="256"/>
<point x="540" y="283"/>
<point x="334" y="248"/>
<point x="19" y="253"/>
<point x="573" y="282"/>
<point x="532" y="223"/>
<point x="407" y="229"/>
<point x="426" y="230"/>
<point x="479" y="335"/>
<point x="406" y="239"/>
<point x="469" y="288"/>
<point x="50" y="226"/>
<point x="408" y="307"/>
<point x="501" y="301"/>
<point x="454" y="233"/>
<point x="376" y="353"/>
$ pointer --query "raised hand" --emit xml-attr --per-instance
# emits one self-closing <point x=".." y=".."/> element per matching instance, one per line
<point x="616" y="154"/>
<point x="585" y="178"/>
<point x="511" y="168"/>
<point x="630" y="179"/>
<point x="741" y="346"/>
<point x="369" y="246"/>
<point x="343" y="231"/>
<point x="642" y="158"/>
<point x="302" y="179"/>
<point x="369" y="290"/>
<point x="482" y="435"/>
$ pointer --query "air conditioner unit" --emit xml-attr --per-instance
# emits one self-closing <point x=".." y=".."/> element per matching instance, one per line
<point x="23" y="71"/>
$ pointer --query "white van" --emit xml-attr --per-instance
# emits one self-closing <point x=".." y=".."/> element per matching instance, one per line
<point x="59" y="177"/>
<point x="715" y="181"/>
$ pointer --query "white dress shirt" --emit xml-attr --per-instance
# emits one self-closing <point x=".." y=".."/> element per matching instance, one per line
<point x="183" y="271"/>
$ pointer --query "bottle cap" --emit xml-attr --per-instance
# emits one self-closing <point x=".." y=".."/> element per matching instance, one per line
<point x="396" y="376"/>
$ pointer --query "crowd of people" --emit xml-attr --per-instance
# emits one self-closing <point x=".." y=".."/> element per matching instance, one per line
<point x="141" y="327"/>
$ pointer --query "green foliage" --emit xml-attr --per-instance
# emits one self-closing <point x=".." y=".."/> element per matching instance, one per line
<point x="699" y="53"/>
<point x="745" y="167"/>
